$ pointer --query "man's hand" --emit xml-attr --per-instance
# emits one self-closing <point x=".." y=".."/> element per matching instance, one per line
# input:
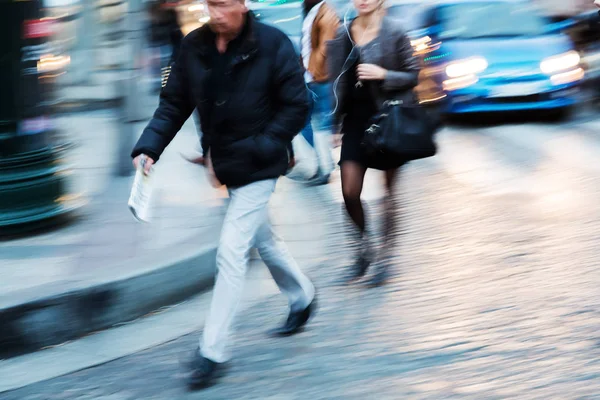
<point x="196" y="159"/>
<point x="370" y="72"/>
<point x="147" y="166"/>
<point x="212" y="176"/>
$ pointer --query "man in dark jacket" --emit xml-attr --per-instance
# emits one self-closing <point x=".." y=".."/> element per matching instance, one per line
<point x="246" y="81"/>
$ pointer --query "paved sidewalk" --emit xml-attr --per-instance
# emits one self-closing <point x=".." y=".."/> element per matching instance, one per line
<point x="493" y="297"/>
<point x="182" y="192"/>
<point x="106" y="244"/>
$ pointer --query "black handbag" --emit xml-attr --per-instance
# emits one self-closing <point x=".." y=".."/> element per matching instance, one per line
<point x="402" y="130"/>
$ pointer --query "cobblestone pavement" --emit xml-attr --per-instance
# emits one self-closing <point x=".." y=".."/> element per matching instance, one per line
<point x="495" y="292"/>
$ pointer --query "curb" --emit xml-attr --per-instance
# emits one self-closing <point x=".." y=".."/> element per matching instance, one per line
<point x="68" y="310"/>
<point x="86" y="105"/>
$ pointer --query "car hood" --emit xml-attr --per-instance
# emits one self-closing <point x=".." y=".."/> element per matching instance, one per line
<point x="518" y="50"/>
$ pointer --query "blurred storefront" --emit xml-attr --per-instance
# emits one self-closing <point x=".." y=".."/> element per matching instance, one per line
<point x="34" y="179"/>
<point x="189" y="14"/>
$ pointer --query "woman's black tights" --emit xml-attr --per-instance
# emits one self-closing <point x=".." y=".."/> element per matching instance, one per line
<point x="353" y="176"/>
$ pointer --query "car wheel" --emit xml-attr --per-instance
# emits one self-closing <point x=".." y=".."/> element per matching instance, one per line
<point x="561" y="114"/>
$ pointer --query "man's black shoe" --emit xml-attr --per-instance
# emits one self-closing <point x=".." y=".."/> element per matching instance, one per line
<point x="202" y="372"/>
<point x="296" y="320"/>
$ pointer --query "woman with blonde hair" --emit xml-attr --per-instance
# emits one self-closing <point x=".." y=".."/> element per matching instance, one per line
<point x="371" y="60"/>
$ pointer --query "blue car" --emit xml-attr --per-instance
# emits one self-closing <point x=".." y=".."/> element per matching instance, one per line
<point x="287" y="17"/>
<point x="494" y="55"/>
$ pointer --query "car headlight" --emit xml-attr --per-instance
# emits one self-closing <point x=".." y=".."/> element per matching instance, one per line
<point x="421" y="43"/>
<point x="560" y="62"/>
<point x="469" y="66"/>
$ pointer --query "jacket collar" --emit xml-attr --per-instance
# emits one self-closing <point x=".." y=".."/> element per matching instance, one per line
<point x="247" y="48"/>
<point x="386" y="26"/>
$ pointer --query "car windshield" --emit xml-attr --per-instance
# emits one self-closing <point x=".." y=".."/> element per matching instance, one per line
<point x="287" y="19"/>
<point x="408" y="14"/>
<point x="490" y="19"/>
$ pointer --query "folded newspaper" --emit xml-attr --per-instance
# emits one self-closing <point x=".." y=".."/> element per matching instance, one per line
<point x="141" y="193"/>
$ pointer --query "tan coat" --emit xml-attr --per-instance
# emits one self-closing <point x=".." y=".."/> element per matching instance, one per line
<point x="324" y="28"/>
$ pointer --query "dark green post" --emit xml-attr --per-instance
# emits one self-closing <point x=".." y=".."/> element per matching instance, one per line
<point x="33" y="176"/>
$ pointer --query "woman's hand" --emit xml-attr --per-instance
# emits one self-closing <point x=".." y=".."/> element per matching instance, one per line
<point x="370" y="72"/>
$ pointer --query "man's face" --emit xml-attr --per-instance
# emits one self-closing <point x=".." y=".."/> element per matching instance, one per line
<point x="226" y="16"/>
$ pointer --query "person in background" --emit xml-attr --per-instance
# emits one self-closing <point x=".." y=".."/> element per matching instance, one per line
<point x="245" y="79"/>
<point x="320" y="25"/>
<point x="169" y="36"/>
<point x="371" y="61"/>
<point x="166" y="34"/>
